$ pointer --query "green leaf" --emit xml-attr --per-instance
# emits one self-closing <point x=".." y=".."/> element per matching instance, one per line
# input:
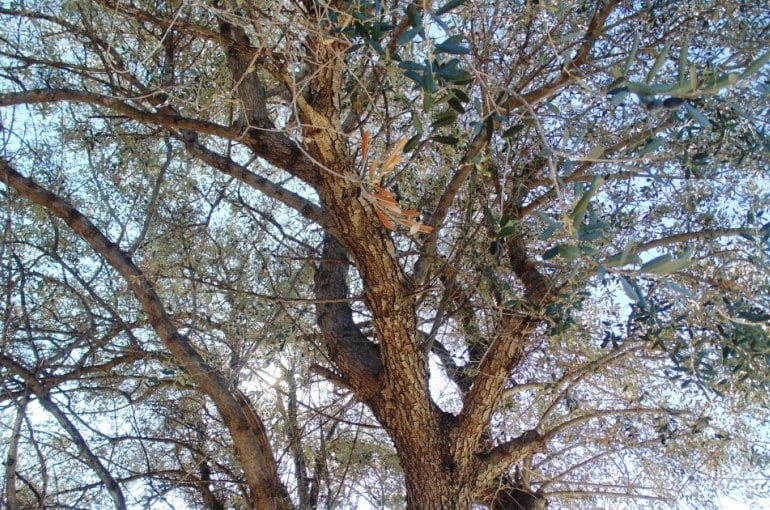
<point x="408" y="36"/>
<point x="376" y="46"/>
<point x="677" y="288"/>
<point x="591" y="232"/>
<point x="568" y="251"/>
<point x="354" y="48"/>
<point x="618" y="96"/>
<point x="697" y="116"/>
<point x="632" y="54"/>
<point x="444" y="119"/>
<point x="452" y="46"/>
<point x="427" y="101"/>
<point x="718" y="83"/>
<point x="659" y="61"/>
<point x="632" y="290"/>
<point x="415" y="17"/>
<point x="550" y="253"/>
<point x="452" y="72"/>
<point x="623" y="259"/>
<point x="428" y="83"/>
<point x="451" y="4"/>
<point x="414" y="75"/>
<point x="552" y="223"/>
<point x="548" y="232"/>
<point x="417" y="122"/>
<point x="651" y="145"/>
<point x="411" y="66"/>
<point x="755" y="66"/>
<point x="596" y="153"/>
<point x="684" y="67"/>
<point x="693" y="77"/>
<point x="513" y="130"/>
<point x="641" y="89"/>
<point x="552" y="107"/>
<point x="655" y="262"/>
<point x="456" y="104"/>
<point x="582" y="205"/>
<point x="461" y="95"/>
<point x="446" y="140"/>
<point x="412" y="142"/>
<point x="666" y="264"/>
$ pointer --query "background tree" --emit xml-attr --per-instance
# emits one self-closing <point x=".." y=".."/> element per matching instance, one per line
<point x="311" y="254"/>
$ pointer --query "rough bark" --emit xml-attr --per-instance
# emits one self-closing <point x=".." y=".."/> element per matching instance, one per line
<point x="446" y="460"/>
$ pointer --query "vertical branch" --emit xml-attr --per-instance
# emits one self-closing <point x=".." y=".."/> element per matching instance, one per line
<point x="13" y="455"/>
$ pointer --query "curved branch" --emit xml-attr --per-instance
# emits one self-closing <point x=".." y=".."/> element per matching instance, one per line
<point x="550" y="434"/>
<point x="505" y="350"/>
<point x="12" y="454"/>
<point x="466" y="165"/>
<point x="567" y="74"/>
<point x="580" y="172"/>
<point x="500" y="458"/>
<point x="274" y="147"/>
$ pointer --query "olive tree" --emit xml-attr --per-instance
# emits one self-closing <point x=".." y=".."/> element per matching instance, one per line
<point x="344" y="254"/>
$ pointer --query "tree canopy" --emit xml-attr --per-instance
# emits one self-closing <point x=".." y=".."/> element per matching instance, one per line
<point x="276" y="254"/>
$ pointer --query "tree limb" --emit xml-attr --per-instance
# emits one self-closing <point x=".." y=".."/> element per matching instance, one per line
<point x="249" y="436"/>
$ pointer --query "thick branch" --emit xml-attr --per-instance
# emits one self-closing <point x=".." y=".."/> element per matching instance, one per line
<point x="499" y="459"/>
<point x="505" y="350"/>
<point x="536" y="286"/>
<point x="241" y="60"/>
<point x="354" y="355"/>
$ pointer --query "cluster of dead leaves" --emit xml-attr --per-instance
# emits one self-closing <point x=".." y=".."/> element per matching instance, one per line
<point x="384" y="201"/>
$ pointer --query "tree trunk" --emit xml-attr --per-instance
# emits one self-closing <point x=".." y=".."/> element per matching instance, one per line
<point x="426" y="490"/>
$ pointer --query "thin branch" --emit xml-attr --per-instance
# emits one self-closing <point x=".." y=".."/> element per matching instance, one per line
<point x="698" y="235"/>
<point x="229" y="167"/>
<point x="177" y="24"/>
<point x="36" y="96"/>
<point x="574" y="422"/>
<point x="88" y="456"/>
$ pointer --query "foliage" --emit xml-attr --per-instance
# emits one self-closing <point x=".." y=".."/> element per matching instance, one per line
<point x="347" y="254"/>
